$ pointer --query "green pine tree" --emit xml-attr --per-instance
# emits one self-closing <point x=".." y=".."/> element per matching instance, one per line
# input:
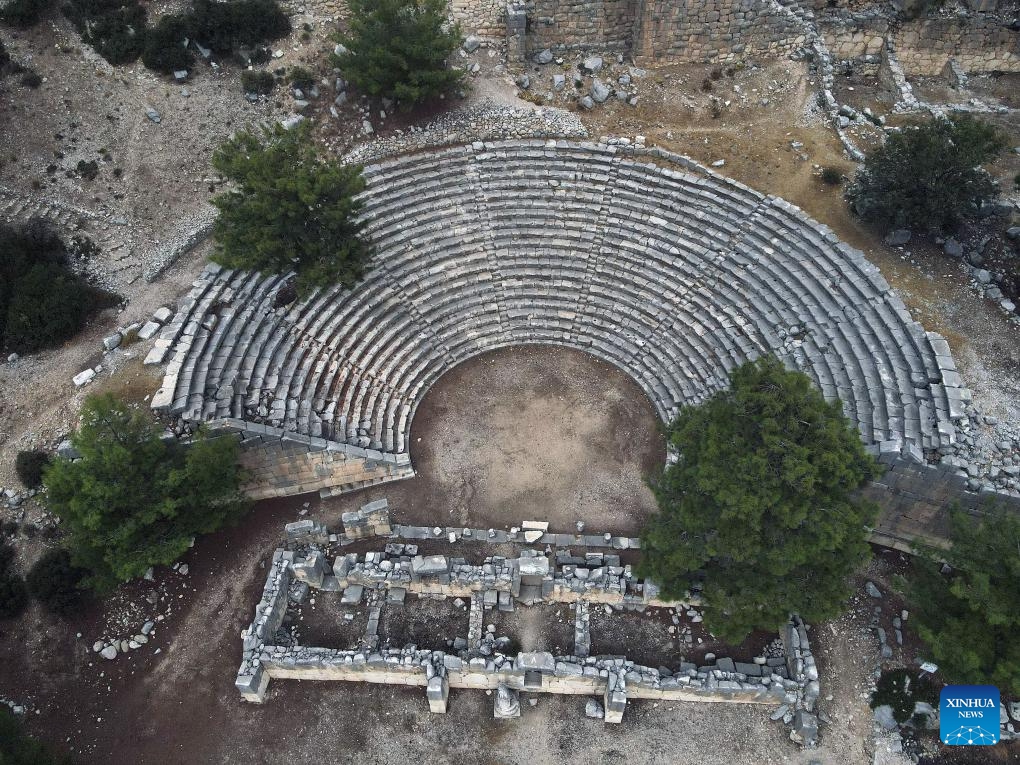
<point x="759" y="504"/>
<point x="399" y="49"/>
<point x="290" y="210"/>
<point x="927" y="175"/>
<point x="134" y="500"/>
<point x="970" y="618"/>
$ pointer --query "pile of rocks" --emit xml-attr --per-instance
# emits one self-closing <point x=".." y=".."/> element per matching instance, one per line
<point x="486" y="121"/>
<point x="586" y="81"/>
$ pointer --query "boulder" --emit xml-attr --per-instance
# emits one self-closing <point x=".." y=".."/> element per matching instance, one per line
<point x="599" y="91"/>
<point x="109" y="653"/>
<point x="587" y="103"/>
<point x="543" y="57"/>
<point x="593" y="709"/>
<point x="872" y="590"/>
<point x="897" y="237"/>
<point x="112" y="341"/>
<point x="884" y="717"/>
<point x="84" y="377"/>
<point x="953" y="248"/>
<point x="506" y="703"/>
<point x="592" y="64"/>
<point x="559" y="82"/>
<point x="471" y="44"/>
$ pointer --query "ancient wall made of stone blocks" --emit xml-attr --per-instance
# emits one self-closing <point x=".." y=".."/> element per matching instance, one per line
<point x="606" y="25"/>
<point x="915" y="501"/>
<point x="978" y="42"/>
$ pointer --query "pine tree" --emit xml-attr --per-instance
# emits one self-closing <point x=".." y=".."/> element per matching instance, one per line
<point x="399" y="49"/>
<point x="758" y="507"/>
<point x="134" y="500"/>
<point x="290" y="210"/>
<point x="927" y="175"/>
<point x="970" y="618"/>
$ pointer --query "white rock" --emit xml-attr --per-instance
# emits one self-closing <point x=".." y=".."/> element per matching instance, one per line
<point x="84" y="377"/>
<point x="110" y="652"/>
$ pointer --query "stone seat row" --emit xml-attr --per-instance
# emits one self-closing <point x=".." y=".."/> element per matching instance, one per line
<point x="674" y="275"/>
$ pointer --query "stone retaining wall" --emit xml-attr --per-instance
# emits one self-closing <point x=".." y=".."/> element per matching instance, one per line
<point x="281" y="463"/>
<point x="721" y="31"/>
<point x="915" y="501"/>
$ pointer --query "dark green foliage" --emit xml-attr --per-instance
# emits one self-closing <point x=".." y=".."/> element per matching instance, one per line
<point x="260" y="82"/>
<point x="18" y="748"/>
<point x="88" y="170"/>
<point x="5" y="57"/>
<point x="225" y="26"/>
<point x="115" y="28"/>
<point x="901" y="689"/>
<point x="927" y="176"/>
<point x="30" y="467"/>
<point x="759" y="504"/>
<point x="13" y="595"/>
<point x="25" y="13"/>
<point x="134" y="500"/>
<point x="56" y="582"/>
<point x="165" y="49"/>
<point x="399" y="49"/>
<point x="31" y="80"/>
<point x="290" y="210"/>
<point x="42" y="302"/>
<point x="970" y="619"/>
<point x="831" y="176"/>
<point x="301" y="78"/>
<point x="6" y="557"/>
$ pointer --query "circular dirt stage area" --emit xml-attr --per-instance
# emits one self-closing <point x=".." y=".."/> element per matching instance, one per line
<point x="529" y="433"/>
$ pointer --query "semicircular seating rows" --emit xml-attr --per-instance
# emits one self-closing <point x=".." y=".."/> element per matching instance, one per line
<point x="643" y="258"/>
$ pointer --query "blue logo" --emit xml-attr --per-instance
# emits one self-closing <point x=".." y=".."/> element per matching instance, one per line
<point x="969" y="715"/>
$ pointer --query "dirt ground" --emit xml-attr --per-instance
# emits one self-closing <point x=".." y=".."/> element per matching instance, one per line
<point x="528" y="433"/>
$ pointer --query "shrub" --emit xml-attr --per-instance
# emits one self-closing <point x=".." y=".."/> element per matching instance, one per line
<point x="133" y="500"/>
<point x="5" y="57"/>
<point x="970" y="619"/>
<point x="42" y="302"/>
<point x="13" y="596"/>
<point x="30" y="467"/>
<point x="88" y="170"/>
<point x="290" y="210"/>
<point x="31" y="80"/>
<point x="927" y="175"/>
<point x="18" y="748"/>
<point x="25" y="13"/>
<point x="301" y="78"/>
<point x="56" y="582"/>
<point x="115" y="28"/>
<point x="6" y="557"/>
<point x="225" y="26"/>
<point x="831" y="176"/>
<point x="399" y="49"/>
<point x="707" y="86"/>
<point x="901" y="689"/>
<point x="759" y="504"/>
<point x="260" y="82"/>
<point x="166" y="45"/>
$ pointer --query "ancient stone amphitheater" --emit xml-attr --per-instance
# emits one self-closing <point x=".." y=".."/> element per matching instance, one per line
<point x="643" y="258"/>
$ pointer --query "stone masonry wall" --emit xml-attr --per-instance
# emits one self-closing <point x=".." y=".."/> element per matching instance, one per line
<point x="281" y="464"/>
<point x="720" y="31"/>
<point x="603" y="24"/>
<point x="712" y="31"/>
<point x="915" y="501"/>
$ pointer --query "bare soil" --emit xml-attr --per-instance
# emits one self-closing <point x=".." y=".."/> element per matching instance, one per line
<point x="528" y="433"/>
